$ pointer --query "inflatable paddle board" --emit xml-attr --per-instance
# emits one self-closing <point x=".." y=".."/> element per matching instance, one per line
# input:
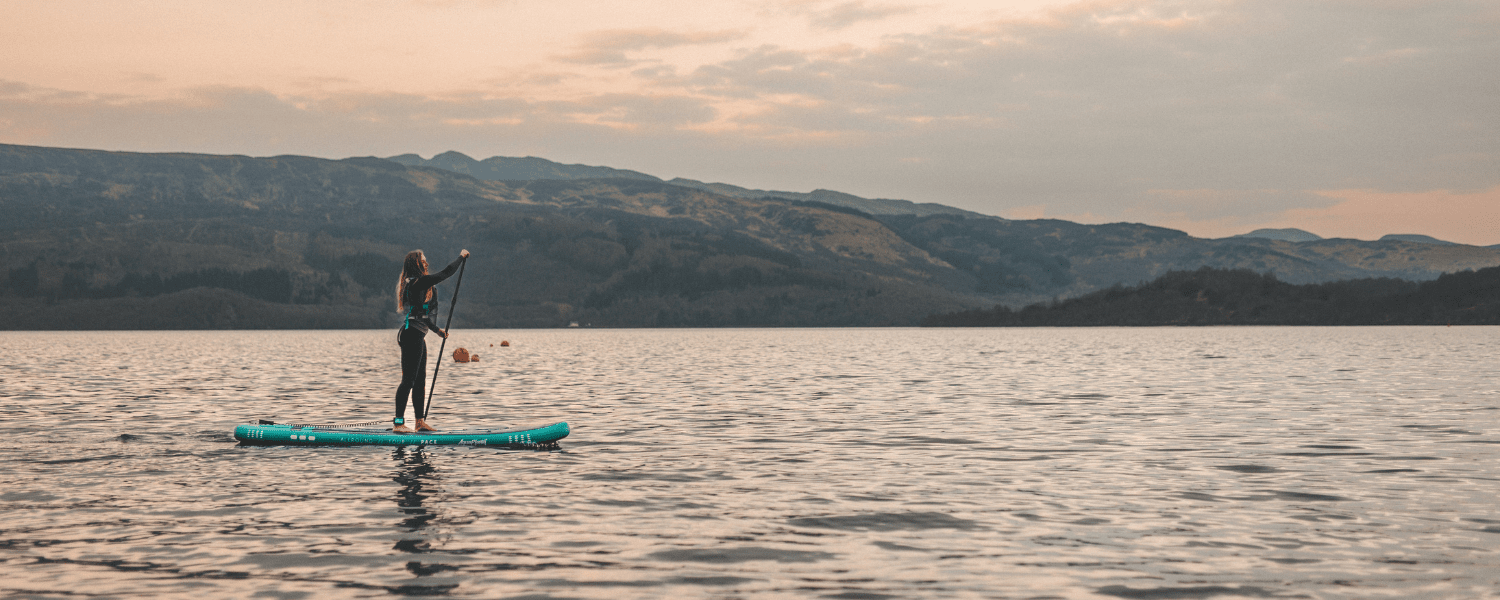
<point x="265" y="433"/>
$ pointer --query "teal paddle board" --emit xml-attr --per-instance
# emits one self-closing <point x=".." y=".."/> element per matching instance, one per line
<point x="282" y="434"/>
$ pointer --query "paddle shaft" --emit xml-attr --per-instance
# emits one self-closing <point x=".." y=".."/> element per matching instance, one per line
<point x="443" y="346"/>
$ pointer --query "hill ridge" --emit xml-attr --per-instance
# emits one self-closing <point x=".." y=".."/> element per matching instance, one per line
<point x="502" y="168"/>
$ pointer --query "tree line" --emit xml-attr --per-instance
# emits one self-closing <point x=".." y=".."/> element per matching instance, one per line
<point x="1210" y="296"/>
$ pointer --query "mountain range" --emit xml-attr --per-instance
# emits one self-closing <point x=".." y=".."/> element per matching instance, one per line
<point x="502" y="168"/>
<point x="119" y="240"/>
<point x="1298" y="235"/>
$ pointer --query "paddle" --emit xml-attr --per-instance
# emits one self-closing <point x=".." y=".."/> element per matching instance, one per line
<point x="443" y="346"/>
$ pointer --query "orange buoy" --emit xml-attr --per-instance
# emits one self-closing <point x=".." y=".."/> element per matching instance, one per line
<point x="460" y="355"/>
<point x="504" y="343"/>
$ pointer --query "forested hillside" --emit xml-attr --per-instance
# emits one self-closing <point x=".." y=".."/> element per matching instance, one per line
<point x="114" y="240"/>
<point x="121" y="240"/>
<point x="1240" y="297"/>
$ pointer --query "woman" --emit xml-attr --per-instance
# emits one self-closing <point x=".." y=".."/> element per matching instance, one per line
<point x="415" y="298"/>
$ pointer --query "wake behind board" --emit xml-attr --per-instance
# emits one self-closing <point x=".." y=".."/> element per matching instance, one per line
<point x="282" y="434"/>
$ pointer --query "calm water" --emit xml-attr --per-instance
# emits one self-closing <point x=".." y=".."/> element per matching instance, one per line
<point x="889" y="463"/>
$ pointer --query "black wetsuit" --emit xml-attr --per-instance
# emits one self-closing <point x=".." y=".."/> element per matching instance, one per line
<point x="412" y="338"/>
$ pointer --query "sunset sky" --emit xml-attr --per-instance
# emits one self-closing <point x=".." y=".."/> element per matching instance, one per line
<point x="1348" y="118"/>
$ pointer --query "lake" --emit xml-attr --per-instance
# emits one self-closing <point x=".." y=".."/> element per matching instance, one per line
<point x="1160" y="463"/>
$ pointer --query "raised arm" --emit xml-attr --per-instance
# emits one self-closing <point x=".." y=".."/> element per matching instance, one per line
<point x="429" y="280"/>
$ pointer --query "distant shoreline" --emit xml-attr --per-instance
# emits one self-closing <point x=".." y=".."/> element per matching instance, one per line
<point x="1203" y="298"/>
<point x="1239" y="297"/>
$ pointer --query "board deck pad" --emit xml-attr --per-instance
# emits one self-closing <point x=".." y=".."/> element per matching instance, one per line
<point x="283" y="434"/>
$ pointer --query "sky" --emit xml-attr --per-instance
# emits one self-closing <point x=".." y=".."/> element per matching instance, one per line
<point x="1346" y="118"/>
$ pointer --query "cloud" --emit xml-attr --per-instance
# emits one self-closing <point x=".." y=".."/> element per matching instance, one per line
<point x="1210" y="115"/>
<point x="629" y="111"/>
<point x="323" y="82"/>
<point x="1110" y="97"/>
<point x="611" y="47"/>
<point x="827" y="16"/>
<point x="24" y="92"/>
<point x="147" y="78"/>
<point x="449" y="4"/>
<point x="236" y="120"/>
<point x="12" y="88"/>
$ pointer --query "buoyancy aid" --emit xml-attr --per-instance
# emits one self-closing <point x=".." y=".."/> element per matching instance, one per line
<point x="418" y="310"/>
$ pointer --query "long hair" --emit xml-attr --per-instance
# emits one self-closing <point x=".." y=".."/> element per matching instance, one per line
<point x="415" y="265"/>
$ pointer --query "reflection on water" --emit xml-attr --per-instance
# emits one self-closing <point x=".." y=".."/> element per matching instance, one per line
<point x="414" y="475"/>
<point x="1072" y="463"/>
<point x="418" y="481"/>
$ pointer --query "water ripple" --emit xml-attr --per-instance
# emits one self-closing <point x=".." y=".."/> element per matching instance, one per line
<point x="892" y="463"/>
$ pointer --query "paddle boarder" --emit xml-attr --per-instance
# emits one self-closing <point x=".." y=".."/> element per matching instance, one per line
<point x="415" y="298"/>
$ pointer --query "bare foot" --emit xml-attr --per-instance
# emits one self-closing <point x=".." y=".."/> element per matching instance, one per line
<point x="423" y="426"/>
<point x="403" y="429"/>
